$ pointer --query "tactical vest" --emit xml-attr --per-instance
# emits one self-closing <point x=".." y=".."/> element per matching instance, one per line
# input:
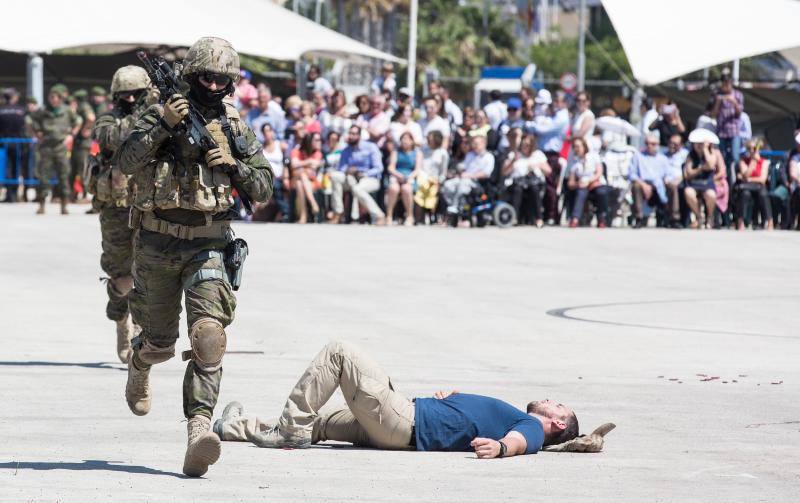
<point x="107" y="183"/>
<point x="180" y="178"/>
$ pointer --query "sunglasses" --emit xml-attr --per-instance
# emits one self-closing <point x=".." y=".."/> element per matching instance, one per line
<point x="216" y="78"/>
<point x="124" y="95"/>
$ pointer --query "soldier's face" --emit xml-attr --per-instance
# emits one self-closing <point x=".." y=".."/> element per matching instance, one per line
<point x="551" y="409"/>
<point x="54" y="99"/>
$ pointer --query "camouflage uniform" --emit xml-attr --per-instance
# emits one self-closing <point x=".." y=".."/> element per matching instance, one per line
<point x="182" y="209"/>
<point x="54" y="125"/>
<point x="82" y="143"/>
<point x="112" y="192"/>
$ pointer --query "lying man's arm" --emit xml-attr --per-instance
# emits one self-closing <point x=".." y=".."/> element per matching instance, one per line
<point x="486" y="448"/>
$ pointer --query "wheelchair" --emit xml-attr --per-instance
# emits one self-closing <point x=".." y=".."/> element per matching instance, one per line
<point x="482" y="207"/>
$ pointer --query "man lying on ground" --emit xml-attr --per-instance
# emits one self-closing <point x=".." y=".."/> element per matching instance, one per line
<point x="377" y="416"/>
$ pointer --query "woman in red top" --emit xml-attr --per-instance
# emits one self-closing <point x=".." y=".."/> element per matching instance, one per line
<point x="751" y="183"/>
<point x="306" y="160"/>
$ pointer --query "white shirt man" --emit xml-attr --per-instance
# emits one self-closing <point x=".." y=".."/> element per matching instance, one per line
<point x="496" y="110"/>
<point x="477" y="165"/>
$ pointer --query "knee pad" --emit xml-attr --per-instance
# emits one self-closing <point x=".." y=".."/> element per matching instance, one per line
<point x="151" y="354"/>
<point x="209" y="341"/>
<point x="122" y="285"/>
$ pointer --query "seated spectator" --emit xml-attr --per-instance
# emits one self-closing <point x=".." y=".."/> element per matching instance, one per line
<point x="435" y="162"/>
<point x="405" y="162"/>
<point x="647" y="172"/>
<point x="336" y="117"/>
<point x="793" y="185"/>
<point x="360" y="171"/>
<point x="274" y="154"/>
<point x="551" y="129"/>
<point x="267" y="111"/>
<point x="309" y="118"/>
<point x="244" y="91"/>
<point x="362" y="106"/>
<point x="514" y="120"/>
<point x="306" y="161"/>
<point x="294" y="121"/>
<point x="482" y="128"/>
<point x="702" y="164"/>
<point x="527" y="168"/>
<point x="433" y="120"/>
<point x="461" y="133"/>
<point x="673" y="179"/>
<point x="668" y="123"/>
<point x="477" y="165"/>
<point x="332" y="152"/>
<point x="495" y="110"/>
<point x="402" y="122"/>
<point x="376" y="122"/>
<point x="586" y="179"/>
<point x="751" y="183"/>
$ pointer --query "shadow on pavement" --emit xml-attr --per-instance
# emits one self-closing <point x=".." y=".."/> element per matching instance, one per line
<point x="89" y="365"/>
<point x="86" y="465"/>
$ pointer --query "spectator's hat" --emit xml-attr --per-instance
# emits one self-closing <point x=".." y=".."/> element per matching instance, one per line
<point x="514" y="103"/>
<point x="703" y="135"/>
<point x="405" y="91"/>
<point x="98" y="91"/>
<point x="797" y="139"/>
<point x="245" y="74"/>
<point x="543" y="97"/>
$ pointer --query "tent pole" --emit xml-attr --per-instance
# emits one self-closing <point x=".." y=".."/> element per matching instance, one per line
<point x="412" y="48"/>
<point x="582" y="46"/>
<point x="735" y="72"/>
<point x="35" y="78"/>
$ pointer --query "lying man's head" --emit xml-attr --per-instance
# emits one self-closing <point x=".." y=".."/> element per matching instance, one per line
<point x="559" y="421"/>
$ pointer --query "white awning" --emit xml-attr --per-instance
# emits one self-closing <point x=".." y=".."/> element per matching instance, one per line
<point x="255" y="27"/>
<point x="665" y="39"/>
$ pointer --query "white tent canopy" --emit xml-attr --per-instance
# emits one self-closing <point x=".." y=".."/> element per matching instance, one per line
<point x="664" y="39"/>
<point x="255" y="27"/>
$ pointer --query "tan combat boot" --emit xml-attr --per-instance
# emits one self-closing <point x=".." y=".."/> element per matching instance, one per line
<point x="124" y="334"/>
<point x="137" y="389"/>
<point x="64" y="206"/>
<point x="203" y="448"/>
<point x="40" y="211"/>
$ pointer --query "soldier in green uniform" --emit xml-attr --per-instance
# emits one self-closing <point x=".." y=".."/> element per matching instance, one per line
<point x="99" y="101"/>
<point x="113" y="195"/>
<point x="53" y="125"/>
<point x="181" y="212"/>
<point x="82" y="143"/>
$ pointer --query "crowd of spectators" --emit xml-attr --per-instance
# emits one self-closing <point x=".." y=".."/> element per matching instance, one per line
<point x="385" y="158"/>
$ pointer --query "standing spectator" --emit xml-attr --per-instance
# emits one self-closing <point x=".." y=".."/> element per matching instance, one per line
<point x="376" y="122"/>
<point x="404" y="165"/>
<point x="745" y="127"/>
<point x="274" y="154"/>
<point x="306" y="160"/>
<point x="405" y="97"/>
<point x="12" y="125"/>
<point x="244" y="92"/>
<point x="648" y="170"/>
<point x="477" y="165"/>
<point x="336" y="118"/>
<point x="362" y="106"/>
<point x="495" y="110"/>
<point x="527" y="168"/>
<point x="702" y="164"/>
<point x="587" y="180"/>
<point x="267" y="112"/>
<point x="435" y="161"/>
<point x="668" y="123"/>
<point x="727" y="106"/>
<point x="542" y="102"/>
<point x="617" y="160"/>
<point x="360" y="170"/>
<point x="433" y="121"/>
<point x="454" y="114"/>
<point x="317" y="83"/>
<point x="403" y="123"/>
<point x="462" y="131"/>
<point x="751" y="183"/>
<point x="676" y="157"/>
<point x="551" y="130"/>
<point x="512" y="121"/>
<point x="583" y="124"/>
<point x="706" y="121"/>
<point x="649" y="115"/>
<point x="386" y="81"/>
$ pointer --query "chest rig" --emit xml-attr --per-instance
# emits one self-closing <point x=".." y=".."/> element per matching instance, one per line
<point x="106" y="181"/>
<point x="180" y="178"/>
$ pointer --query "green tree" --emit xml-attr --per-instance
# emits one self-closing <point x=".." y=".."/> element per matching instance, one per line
<point x="451" y="38"/>
<point x="557" y="58"/>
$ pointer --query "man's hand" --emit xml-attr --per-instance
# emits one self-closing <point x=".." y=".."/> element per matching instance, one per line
<point x="441" y="395"/>
<point x="485" y="448"/>
<point x="219" y="158"/>
<point x="175" y="110"/>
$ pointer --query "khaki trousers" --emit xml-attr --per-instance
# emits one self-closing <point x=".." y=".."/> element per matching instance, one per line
<point x="360" y="188"/>
<point x="376" y="415"/>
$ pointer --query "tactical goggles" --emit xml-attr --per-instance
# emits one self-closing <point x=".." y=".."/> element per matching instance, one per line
<point x="219" y="79"/>
<point x="125" y="95"/>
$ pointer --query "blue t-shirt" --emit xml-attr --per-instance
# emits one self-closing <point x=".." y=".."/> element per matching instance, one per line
<point x="452" y="423"/>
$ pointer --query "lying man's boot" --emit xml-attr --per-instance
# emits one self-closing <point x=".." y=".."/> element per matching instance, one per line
<point x="137" y="389"/>
<point x="275" y="438"/>
<point x="203" y="447"/>
<point x="124" y="334"/>
<point x="231" y="411"/>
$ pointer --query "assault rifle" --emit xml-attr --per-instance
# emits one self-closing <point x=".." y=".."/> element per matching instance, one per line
<point x="193" y="127"/>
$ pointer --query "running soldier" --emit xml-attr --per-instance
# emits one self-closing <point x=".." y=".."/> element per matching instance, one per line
<point x="113" y="196"/>
<point x="181" y="213"/>
<point x="53" y="125"/>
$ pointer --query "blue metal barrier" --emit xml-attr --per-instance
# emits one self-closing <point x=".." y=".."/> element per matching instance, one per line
<point x="23" y="152"/>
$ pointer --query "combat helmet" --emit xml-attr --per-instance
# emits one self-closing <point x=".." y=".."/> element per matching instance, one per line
<point x="129" y="78"/>
<point x="59" y="89"/>
<point x="213" y="55"/>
